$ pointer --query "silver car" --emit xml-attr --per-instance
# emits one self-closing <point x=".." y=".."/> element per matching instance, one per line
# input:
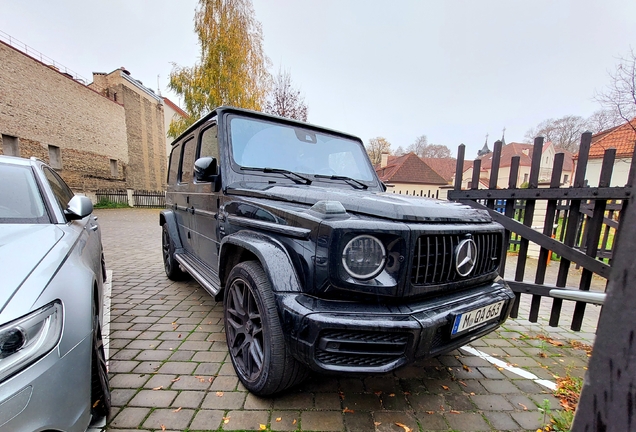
<point x="52" y="367"/>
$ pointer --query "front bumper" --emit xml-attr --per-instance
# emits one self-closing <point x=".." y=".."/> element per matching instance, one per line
<point x="343" y="336"/>
<point x="51" y="394"/>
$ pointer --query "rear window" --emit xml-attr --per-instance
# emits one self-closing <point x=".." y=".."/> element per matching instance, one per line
<point x="20" y="198"/>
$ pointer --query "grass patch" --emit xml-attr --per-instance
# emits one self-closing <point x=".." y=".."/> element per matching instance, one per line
<point x="105" y="203"/>
<point x="568" y="391"/>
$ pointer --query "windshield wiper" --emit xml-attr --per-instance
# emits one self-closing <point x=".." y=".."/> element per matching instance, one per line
<point x="345" y="178"/>
<point x="297" y="178"/>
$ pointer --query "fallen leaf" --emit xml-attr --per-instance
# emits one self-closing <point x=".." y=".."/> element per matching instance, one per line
<point x="407" y="393"/>
<point x="262" y="426"/>
<point x="158" y="388"/>
<point x="202" y="380"/>
<point x="499" y="368"/>
<point x="466" y="368"/>
<point x="454" y="412"/>
<point x="341" y="394"/>
<point x="542" y="354"/>
<point x="377" y="423"/>
<point x="179" y="336"/>
<point x="445" y="387"/>
<point x="441" y="407"/>
<point x="226" y="420"/>
<point x="198" y="377"/>
<point x="211" y="379"/>
<point x="219" y="394"/>
<point x="525" y="408"/>
<point x="515" y="364"/>
<point x="378" y="393"/>
<point x="278" y="419"/>
<point x="176" y="379"/>
<point x="347" y="410"/>
<point x="472" y="393"/>
<point x="209" y="322"/>
<point x="392" y="395"/>
<point x="294" y="422"/>
<point x="430" y="412"/>
<point x="174" y="323"/>
<point x="403" y="426"/>
<point x="96" y="403"/>
<point x="463" y="383"/>
<point x="163" y="428"/>
<point x="177" y="410"/>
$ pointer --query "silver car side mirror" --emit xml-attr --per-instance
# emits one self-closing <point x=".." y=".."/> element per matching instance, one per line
<point x="78" y="207"/>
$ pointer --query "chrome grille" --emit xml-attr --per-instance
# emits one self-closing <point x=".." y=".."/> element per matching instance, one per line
<point x="434" y="257"/>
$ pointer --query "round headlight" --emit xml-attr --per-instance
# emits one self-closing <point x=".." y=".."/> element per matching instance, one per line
<point x="364" y="257"/>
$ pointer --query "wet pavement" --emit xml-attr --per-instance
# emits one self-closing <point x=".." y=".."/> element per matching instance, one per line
<point x="170" y="369"/>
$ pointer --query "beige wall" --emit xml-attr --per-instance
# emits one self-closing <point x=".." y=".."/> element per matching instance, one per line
<point x="42" y="107"/>
<point x="416" y="189"/>
<point x="168" y="115"/>
<point x="619" y="174"/>
<point x="144" y="129"/>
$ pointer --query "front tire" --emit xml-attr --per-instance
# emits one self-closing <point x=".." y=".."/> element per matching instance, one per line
<point x="100" y="391"/>
<point x="254" y="335"/>
<point x="170" y="264"/>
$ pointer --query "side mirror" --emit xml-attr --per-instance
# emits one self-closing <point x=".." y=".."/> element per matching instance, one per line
<point x="205" y="168"/>
<point x="78" y="207"/>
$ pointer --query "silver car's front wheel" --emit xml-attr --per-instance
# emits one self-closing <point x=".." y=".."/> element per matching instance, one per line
<point x="100" y="391"/>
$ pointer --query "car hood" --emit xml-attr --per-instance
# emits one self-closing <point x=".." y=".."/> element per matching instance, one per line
<point x="22" y="248"/>
<point x="379" y="204"/>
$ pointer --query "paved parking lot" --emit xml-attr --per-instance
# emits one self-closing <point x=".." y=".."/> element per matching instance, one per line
<point x="170" y="370"/>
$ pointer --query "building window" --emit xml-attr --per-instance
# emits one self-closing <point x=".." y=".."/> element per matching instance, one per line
<point x="565" y="178"/>
<point x="10" y="146"/>
<point x="55" y="158"/>
<point x="525" y="178"/>
<point x="113" y="168"/>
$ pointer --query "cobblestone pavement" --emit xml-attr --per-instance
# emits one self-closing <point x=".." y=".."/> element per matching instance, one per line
<point x="170" y="369"/>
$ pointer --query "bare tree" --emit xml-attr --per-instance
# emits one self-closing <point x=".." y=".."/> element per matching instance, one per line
<point x="564" y="133"/>
<point x="284" y="100"/>
<point x="399" y="151"/>
<point x="418" y="145"/>
<point x="602" y="120"/>
<point x="376" y="147"/>
<point x="436" y="151"/>
<point x="620" y="94"/>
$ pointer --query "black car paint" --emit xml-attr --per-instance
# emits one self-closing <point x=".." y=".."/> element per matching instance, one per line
<point x="271" y="217"/>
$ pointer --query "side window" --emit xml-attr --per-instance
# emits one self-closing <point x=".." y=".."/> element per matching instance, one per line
<point x="173" y="168"/>
<point x="61" y="191"/>
<point x="209" y="143"/>
<point x="187" y="161"/>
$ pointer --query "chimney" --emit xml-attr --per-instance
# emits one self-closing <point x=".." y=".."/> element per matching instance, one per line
<point x="385" y="160"/>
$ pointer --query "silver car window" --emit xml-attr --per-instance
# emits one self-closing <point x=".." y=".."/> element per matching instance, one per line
<point x="20" y="198"/>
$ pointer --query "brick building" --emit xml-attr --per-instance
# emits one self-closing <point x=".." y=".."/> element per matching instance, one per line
<point x="92" y="137"/>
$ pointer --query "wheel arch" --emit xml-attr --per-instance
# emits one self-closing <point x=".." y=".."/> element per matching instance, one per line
<point x="167" y="217"/>
<point x="248" y="245"/>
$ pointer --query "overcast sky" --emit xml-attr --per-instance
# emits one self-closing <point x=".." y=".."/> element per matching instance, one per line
<point x="451" y="70"/>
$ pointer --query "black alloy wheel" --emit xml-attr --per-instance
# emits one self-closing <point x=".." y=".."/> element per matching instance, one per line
<point x="170" y="264"/>
<point x="254" y="336"/>
<point x="100" y="391"/>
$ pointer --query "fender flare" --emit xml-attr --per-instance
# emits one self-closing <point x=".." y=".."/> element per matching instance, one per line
<point x="272" y="256"/>
<point x="168" y="217"/>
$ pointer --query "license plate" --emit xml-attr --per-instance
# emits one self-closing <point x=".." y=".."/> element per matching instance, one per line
<point x="476" y="317"/>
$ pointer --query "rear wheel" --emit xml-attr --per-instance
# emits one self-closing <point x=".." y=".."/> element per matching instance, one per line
<point x="170" y="264"/>
<point x="100" y="392"/>
<point x="254" y="336"/>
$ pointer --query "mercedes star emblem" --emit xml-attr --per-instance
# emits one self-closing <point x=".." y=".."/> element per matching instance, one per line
<point x="465" y="257"/>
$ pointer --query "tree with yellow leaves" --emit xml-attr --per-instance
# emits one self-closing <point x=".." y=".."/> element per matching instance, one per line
<point x="233" y="68"/>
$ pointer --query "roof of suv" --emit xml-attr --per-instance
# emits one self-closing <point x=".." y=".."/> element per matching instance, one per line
<point x="14" y="160"/>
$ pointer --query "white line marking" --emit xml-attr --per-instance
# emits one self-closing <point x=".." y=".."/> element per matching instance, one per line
<point x="510" y="368"/>
<point x="106" y="327"/>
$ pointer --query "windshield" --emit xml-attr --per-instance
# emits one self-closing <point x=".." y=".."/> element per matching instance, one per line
<point x="263" y="144"/>
<point x="20" y="199"/>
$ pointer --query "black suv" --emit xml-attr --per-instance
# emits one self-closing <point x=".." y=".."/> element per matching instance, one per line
<point x="318" y="267"/>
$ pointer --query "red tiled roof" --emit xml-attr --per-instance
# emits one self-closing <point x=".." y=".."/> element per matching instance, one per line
<point x="621" y="138"/>
<point x="445" y="167"/>
<point x="175" y="107"/>
<point x="408" y="169"/>
<point x="507" y="152"/>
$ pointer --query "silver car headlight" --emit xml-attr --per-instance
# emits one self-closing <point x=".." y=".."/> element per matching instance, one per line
<point x="27" y="339"/>
<point x="364" y="257"/>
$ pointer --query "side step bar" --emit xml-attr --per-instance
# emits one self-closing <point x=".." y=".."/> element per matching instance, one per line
<point x="190" y="267"/>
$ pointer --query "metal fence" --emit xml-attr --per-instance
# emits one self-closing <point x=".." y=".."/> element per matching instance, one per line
<point x="140" y="198"/>
<point x="579" y="226"/>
